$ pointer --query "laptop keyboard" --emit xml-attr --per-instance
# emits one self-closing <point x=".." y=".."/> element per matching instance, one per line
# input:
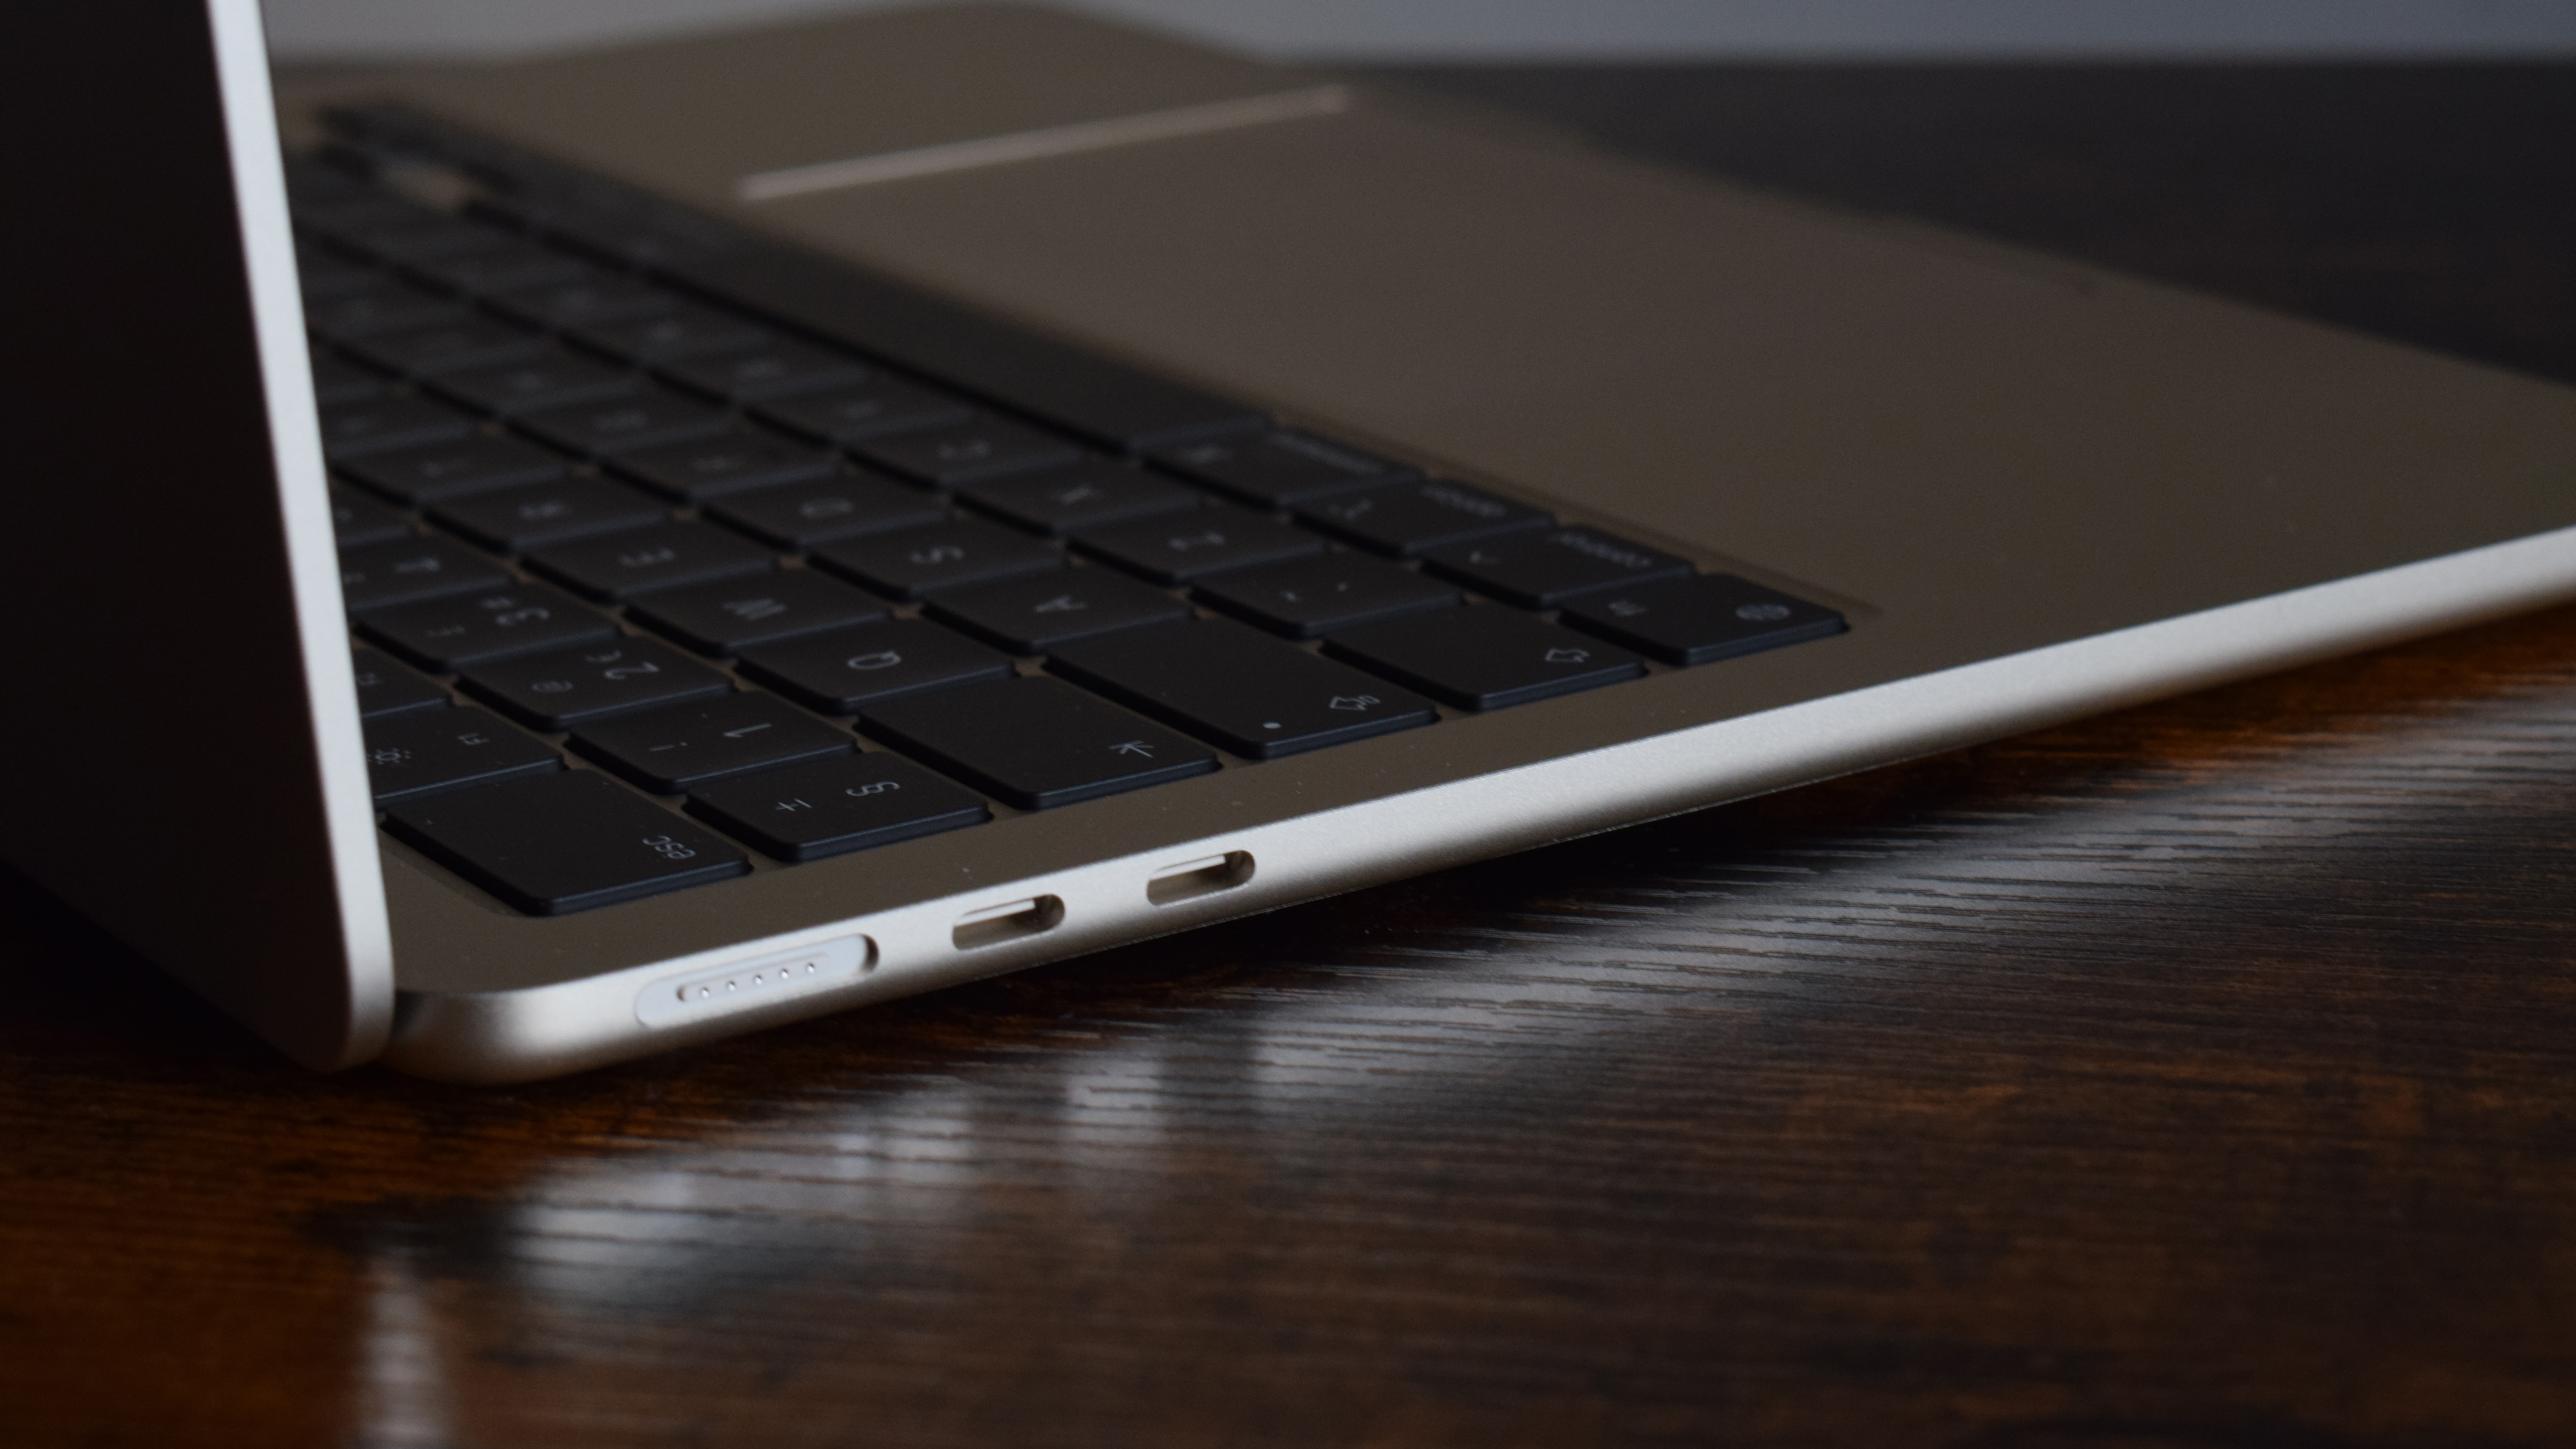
<point x="822" y="602"/>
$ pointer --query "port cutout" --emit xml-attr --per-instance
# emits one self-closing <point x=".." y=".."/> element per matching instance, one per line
<point x="1009" y="921"/>
<point x="746" y="984"/>
<point x="1192" y="879"/>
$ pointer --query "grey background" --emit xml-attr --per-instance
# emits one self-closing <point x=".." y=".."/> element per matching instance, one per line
<point x="1557" y="29"/>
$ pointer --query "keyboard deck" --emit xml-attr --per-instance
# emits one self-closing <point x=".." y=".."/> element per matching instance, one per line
<point x="824" y="602"/>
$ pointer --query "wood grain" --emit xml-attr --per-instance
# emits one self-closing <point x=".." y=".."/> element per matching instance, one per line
<point x="2203" y="1075"/>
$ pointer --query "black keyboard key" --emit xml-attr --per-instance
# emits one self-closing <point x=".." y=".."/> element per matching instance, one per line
<point x="565" y="843"/>
<point x="358" y="521"/>
<point x="509" y="266"/>
<point x="1484" y="656"/>
<point x="911" y="562"/>
<point x="665" y="556"/>
<point x="1037" y="743"/>
<point x="450" y="633"/>
<point x="511" y="519"/>
<point x="556" y="381"/>
<point x="617" y="223"/>
<point x="420" y="238"/>
<point x="1246" y="691"/>
<point x="774" y="369"/>
<point x="1062" y="500"/>
<point x="1072" y="388"/>
<point x="802" y="515"/>
<point x="721" y="618"/>
<point x="1308" y="598"/>
<point x="644" y="420"/>
<point x="877" y="409"/>
<point x="843" y="671"/>
<point x="566" y="687"/>
<point x="1543" y="570"/>
<point x="588" y="302"/>
<point x="1280" y="469"/>
<point x="415" y="754"/>
<point x="1406" y="519"/>
<point x="1033" y="614"/>
<point x="1185" y="547"/>
<point x="338" y="380"/>
<point x="381" y="575"/>
<point x="832" y="807"/>
<point x="1702" y="619"/>
<point x="684" y="331"/>
<point x="1078" y="390"/>
<point x="459" y="344"/>
<point x="965" y="452"/>
<point x="722" y="463"/>
<point x="387" y="307"/>
<point x="441" y="471"/>
<point x="677" y="749"/>
<point x="355" y="430"/>
<point x="385" y="687"/>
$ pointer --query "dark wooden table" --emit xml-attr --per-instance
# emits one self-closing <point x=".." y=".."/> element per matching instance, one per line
<point x="2202" y="1075"/>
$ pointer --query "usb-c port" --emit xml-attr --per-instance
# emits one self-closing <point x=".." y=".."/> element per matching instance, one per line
<point x="1009" y="921"/>
<point x="1191" y="879"/>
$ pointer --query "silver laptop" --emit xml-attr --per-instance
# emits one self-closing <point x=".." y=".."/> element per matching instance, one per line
<point x="530" y="565"/>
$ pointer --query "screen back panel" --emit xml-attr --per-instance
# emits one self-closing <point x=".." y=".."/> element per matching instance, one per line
<point x="185" y="732"/>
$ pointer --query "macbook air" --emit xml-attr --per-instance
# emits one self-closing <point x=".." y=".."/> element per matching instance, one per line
<point x="525" y="565"/>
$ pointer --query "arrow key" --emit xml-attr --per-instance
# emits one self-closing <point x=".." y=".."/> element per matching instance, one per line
<point x="1240" y="688"/>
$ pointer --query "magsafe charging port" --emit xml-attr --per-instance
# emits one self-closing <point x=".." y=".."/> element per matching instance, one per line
<point x="715" y="990"/>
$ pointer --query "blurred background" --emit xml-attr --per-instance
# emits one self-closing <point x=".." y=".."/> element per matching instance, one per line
<point x="1505" y="30"/>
